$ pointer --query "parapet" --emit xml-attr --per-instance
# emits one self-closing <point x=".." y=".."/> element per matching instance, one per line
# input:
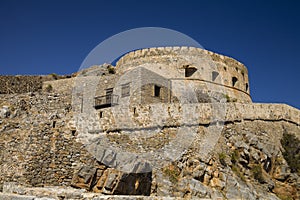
<point x="172" y="51"/>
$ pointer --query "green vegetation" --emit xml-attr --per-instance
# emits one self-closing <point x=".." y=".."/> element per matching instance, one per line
<point x="228" y="99"/>
<point x="83" y="73"/>
<point x="111" y="70"/>
<point x="222" y="157"/>
<point x="238" y="172"/>
<point x="49" y="88"/>
<point x="284" y="197"/>
<point x="55" y="76"/>
<point x="257" y="173"/>
<point x="226" y="96"/>
<point x="235" y="168"/>
<point x="172" y="172"/>
<point x="235" y="156"/>
<point x="291" y="152"/>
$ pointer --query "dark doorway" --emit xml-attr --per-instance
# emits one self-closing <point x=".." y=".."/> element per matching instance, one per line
<point x="157" y="90"/>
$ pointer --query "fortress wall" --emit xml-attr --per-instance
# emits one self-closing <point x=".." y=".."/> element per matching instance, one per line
<point x="38" y="146"/>
<point x="59" y="86"/>
<point x="39" y="143"/>
<point x="21" y="84"/>
<point x="81" y="83"/>
<point x="66" y="86"/>
<point x="172" y="61"/>
<point x="208" y="89"/>
<point x="174" y="51"/>
<point x="171" y="115"/>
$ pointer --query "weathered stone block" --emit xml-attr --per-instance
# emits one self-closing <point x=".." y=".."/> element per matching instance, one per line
<point x="83" y="177"/>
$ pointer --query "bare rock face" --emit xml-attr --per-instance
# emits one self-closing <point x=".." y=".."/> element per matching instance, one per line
<point x="246" y="164"/>
<point x="83" y="177"/>
<point x="110" y="181"/>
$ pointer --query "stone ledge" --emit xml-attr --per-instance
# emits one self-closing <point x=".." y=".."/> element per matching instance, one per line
<point x="6" y="196"/>
<point x="13" y="191"/>
<point x="184" y="50"/>
<point x="88" y="196"/>
<point x="229" y="112"/>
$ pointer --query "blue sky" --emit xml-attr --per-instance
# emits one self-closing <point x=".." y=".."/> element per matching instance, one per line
<point x="43" y="37"/>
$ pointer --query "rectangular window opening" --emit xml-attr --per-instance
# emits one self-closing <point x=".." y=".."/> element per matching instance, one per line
<point x="109" y="93"/>
<point x="157" y="90"/>
<point x="125" y="90"/>
<point x="214" y="75"/>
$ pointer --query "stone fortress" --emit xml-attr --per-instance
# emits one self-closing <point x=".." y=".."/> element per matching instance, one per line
<point x="93" y="131"/>
<point x="191" y="65"/>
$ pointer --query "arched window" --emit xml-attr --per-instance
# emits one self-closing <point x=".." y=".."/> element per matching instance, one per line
<point x="234" y="81"/>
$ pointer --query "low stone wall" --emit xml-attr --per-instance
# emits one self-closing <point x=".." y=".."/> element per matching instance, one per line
<point x="59" y="86"/>
<point x="24" y="84"/>
<point x="153" y="115"/>
<point x="20" y="84"/>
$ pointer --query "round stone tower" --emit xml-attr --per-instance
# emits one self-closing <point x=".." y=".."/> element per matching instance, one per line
<point x="219" y="76"/>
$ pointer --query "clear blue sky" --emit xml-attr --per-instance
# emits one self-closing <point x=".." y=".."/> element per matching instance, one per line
<point x="42" y="37"/>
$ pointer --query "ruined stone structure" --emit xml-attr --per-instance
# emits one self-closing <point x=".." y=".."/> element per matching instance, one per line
<point x="190" y="108"/>
<point x="194" y="66"/>
<point x="25" y="83"/>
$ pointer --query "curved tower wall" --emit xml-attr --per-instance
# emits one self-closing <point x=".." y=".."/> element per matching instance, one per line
<point x="200" y="69"/>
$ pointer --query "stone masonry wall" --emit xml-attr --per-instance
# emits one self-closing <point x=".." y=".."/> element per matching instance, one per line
<point x="37" y="146"/>
<point x="172" y="61"/>
<point x="24" y="84"/>
<point x="156" y="64"/>
<point x="172" y="114"/>
<point x="20" y="84"/>
<point x="40" y="147"/>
